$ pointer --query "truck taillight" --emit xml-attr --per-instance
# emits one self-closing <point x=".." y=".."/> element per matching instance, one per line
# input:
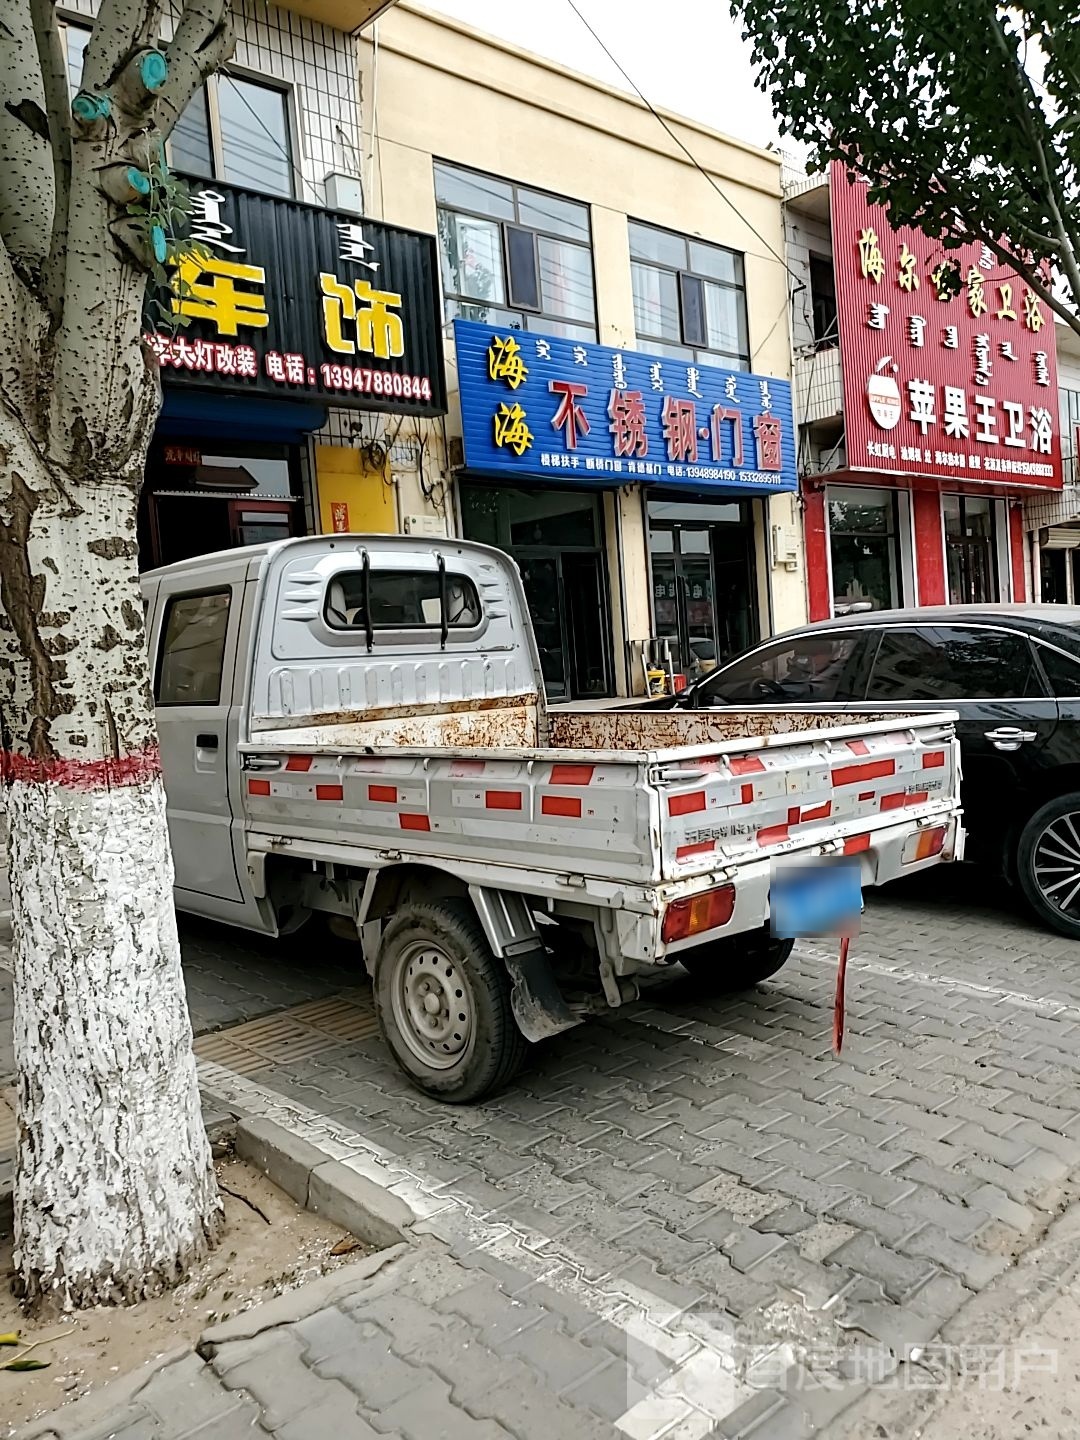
<point x="707" y="911"/>
<point x="925" y="844"/>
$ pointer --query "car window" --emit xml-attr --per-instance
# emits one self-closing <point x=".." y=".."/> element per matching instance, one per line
<point x="1063" y="672"/>
<point x="943" y="662"/>
<point x="401" y="600"/>
<point x="193" y="649"/>
<point x="823" y="668"/>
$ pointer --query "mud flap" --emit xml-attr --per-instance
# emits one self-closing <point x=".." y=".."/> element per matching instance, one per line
<point x="536" y="1000"/>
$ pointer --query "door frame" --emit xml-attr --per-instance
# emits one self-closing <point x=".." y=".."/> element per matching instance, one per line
<point x="555" y="553"/>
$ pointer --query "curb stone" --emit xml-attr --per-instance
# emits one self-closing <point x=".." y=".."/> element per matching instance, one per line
<point x="322" y="1185"/>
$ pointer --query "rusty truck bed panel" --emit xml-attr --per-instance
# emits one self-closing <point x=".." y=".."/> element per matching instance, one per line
<point x="669" y="729"/>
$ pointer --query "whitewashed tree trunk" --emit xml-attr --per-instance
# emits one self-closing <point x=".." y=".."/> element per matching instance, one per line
<point x="115" y="1193"/>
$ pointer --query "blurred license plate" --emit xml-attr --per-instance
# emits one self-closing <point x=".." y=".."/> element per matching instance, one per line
<point x="824" y="899"/>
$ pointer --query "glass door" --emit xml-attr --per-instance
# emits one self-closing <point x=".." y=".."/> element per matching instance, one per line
<point x="969" y="549"/>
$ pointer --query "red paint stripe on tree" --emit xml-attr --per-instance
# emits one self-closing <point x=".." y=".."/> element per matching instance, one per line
<point x="112" y="774"/>
<point x="872" y="770"/>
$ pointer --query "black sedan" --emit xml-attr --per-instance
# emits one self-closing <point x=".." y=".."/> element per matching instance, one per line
<point x="1012" y="672"/>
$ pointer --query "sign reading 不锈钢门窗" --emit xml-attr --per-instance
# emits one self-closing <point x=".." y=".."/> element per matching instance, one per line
<point x="545" y="407"/>
<point x="288" y="300"/>
<point x="953" y="380"/>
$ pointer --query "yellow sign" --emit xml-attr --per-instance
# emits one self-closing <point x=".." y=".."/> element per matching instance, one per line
<point x="217" y="299"/>
<point x="511" y="429"/>
<point x="505" y="361"/>
<point x="376" y="330"/>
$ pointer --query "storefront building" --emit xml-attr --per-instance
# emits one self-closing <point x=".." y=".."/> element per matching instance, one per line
<point x="926" y="418"/>
<point x="1052" y="520"/>
<point x="294" y="308"/>
<point x="624" y="250"/>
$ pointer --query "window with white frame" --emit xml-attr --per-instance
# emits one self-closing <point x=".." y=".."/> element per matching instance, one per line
<point x="689" y="298"/>
<point x="235" y="129"/>
<point x="514" y="256"/>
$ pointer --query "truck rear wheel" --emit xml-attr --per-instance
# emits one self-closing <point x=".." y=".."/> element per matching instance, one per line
<point x="738" y="962"/>
<point x="443" y="1002"/>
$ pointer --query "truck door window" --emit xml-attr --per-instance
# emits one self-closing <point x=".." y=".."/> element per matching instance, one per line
<point x="192" y="652"/>
<point x="401" y="600"/>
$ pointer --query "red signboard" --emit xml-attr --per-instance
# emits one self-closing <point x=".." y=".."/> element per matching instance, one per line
<point x="959" y="388"/>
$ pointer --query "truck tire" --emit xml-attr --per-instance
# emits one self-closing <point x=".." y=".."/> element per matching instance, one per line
<point x="443" y="1001"/>
<point x="737" y="963"/>
<point x="1048" y="864"/>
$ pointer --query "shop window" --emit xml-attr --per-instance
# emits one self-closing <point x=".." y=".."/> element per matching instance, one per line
<point x="863" y="542"/>
<point x="193" y="649"/>
<point x="953" y="663"/>
<point x="514" y="256"/>
<point x="689" y="298"/>
<point x="401" y="600"/>
<point x="1070" y="427"/>
<point x="233" y="129"/>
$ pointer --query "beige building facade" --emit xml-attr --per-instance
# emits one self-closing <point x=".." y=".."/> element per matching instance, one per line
<point x="565" y="208"/>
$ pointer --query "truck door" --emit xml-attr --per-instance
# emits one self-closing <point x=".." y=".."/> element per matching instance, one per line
<point x="195" y="654"/>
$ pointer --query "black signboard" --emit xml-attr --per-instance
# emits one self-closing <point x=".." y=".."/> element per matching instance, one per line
<point x="288" y="300"/>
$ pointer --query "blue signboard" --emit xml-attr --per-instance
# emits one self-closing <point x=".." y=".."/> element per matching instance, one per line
<point x="547" y="408"/>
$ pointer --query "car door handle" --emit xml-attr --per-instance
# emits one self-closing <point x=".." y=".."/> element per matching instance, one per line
<point x="206" y="741"/>
<point x="1010" y="737"/>
<point x="260" y="762"/>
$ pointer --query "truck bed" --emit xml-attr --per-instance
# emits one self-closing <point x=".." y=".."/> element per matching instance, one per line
<point x="632" y="797"/>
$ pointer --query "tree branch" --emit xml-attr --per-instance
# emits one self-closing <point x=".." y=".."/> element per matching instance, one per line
<point x="26" y="184"/>
<point x="58" y="108"/>
<point x="203" y="41"/>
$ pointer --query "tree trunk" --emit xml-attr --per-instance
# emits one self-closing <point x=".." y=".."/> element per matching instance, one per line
<point x="114" y="1193"/>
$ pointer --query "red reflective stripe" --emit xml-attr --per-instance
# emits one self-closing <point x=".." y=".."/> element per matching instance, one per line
<point x="684" y="852"/>
<point x="854" y="843"/>
<point x="561" y="805"/>
<point x="329" y="792"/>
<point x="461" y="768"/>
<point x="821" y="812"/>
<point x="686" y="804"/>
<point x="933" y="760"/>
<point x="793" y="815"/>
<point x="746" y="765"/>
<point x="414" y="822"/>
<point x="896" y="801"/>
<point x="917" y="797"/>
<point x="298" y="762"/>
<point x="858" y="747"/>
<point x="382" y="794"/>
<point x="503" y="799"/>
<point x="258" y="787"/>
<point x="873" y="770"/>
<point x="572" y="774"/>
<point x="772" y="834"/>
<point x="747" y="794"/>
<point x="866" y="794"/>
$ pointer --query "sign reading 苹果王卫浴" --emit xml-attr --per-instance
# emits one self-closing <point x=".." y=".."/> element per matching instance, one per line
<point x="556" y="409"/>
<point x="283" y="299"/>
<point x="960" y="386"/>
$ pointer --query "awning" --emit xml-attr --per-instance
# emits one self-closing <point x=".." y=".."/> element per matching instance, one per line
<point x="237" y="417"/>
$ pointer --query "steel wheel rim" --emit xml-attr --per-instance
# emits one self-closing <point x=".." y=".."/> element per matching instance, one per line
<point x="432" y="1006"/>
<point x="1056" y="863"/>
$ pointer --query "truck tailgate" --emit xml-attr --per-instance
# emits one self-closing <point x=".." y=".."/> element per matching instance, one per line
<point x="779" y="797"/>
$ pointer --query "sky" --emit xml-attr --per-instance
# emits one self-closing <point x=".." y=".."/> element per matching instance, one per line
<point x="685" y="55"/>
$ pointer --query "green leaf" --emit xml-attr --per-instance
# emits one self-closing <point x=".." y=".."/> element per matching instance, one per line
<point x="26" y="1365"/>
